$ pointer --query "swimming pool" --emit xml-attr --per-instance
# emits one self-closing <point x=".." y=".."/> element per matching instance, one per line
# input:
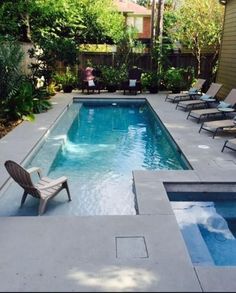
<point x="97" y="144"/>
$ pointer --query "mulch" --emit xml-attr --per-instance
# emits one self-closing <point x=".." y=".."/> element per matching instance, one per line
<point x="7" y="126"/>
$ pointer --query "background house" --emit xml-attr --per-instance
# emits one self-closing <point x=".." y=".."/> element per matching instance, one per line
<point x="227" y="59"/>
<point x="137" y="16"/>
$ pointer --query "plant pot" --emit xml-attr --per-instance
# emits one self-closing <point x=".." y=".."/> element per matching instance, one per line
<point x="67" y="88"/>
<point x="111" y="88"/>
<point x="175" y="90"/>
<point x="153" y="89"/>
<point x="162" y="87"/>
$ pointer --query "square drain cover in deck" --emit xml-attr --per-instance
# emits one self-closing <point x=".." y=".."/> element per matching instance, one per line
<point x="131" y="247"/>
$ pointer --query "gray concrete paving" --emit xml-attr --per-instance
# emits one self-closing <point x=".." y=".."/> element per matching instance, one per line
<point x="145" y="252"/>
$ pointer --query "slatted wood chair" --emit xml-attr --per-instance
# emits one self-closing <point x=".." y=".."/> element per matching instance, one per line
<point x="45" y="188"/>
<point x="133" y="84"/>
<point x="90" y="81"/>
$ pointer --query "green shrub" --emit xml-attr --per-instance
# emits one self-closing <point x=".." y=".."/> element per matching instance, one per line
<point x="149" y="79"/>
<point x="113" y="76"/>
<point x="11" y="75"/>
<point x="67" y="79"/>
<point x="174" y="78"/>
<point x="110" y="76"/>
<point x="19" y="99"/>
<point x="26" y="101"/>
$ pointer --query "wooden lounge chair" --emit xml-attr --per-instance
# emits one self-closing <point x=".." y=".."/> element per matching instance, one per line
<point x="45" y="188"/>
<point x="200" y="113"/>
<point x="230" y="144"/>
<point x="218" y="126"/>
<point x="203" y="100"/>
<point x="90" y="81"/>
<point x="191" y="94"/>
<point x="133" y="84"/>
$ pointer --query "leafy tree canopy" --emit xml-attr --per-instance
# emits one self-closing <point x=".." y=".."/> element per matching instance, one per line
<point x="82" y="20"/>
<point x="198" y="26"/>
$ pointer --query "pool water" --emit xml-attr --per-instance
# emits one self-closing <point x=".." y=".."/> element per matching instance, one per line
<point x="209" y="231"/>
<point x="97" y="145"/>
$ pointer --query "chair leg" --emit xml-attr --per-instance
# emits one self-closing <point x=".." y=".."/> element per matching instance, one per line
<point x="215" y="132"/>
<point x="224" y="146"/>
<point x="188" y="114"/>
<point x="23" y="198"/>
<point x="42" y="206"/>
<point x="65" y="185"/>
<point x="201" y="127"/>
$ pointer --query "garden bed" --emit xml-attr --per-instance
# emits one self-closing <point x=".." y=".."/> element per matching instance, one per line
<point x="7" y="126"/>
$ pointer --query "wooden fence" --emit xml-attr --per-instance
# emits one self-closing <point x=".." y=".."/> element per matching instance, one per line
<point x="138" y="59"/>
<point x="144" y="61"/>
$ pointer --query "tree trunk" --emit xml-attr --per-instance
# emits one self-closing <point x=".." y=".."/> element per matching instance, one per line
<point x="25" y="28"/>
<point x="159" y="27"/>
<point x="152" y="30"/>
<point x="198" y="63"/>
<point x="159" y="31"/>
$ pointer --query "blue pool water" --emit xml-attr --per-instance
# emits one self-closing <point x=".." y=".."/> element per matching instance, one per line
<point x="209" y="230"/>
<point x="97" y="145"/>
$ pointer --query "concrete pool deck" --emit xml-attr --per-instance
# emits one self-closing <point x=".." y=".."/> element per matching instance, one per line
<point x="114" y="253"/>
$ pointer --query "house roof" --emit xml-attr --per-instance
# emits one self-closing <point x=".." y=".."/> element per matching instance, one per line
<point x="131" y="7"/>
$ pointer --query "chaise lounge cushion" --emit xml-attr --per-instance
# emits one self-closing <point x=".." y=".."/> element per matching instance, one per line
<point x="91" y="82"/>
<point x="224" y="105"/>
<point x="193" y="90"/>
<point x="132" y="82"/>
<point x="205" y="97"/>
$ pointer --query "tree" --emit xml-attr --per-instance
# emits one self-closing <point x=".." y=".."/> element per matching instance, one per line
<point x="162" y="43"/>
<point x="102" y="23"/>
<point x="15" y="18"/>
<point x="198" y="27"/>
<point x="58" y="27"/>
<point x="84" y="20"/>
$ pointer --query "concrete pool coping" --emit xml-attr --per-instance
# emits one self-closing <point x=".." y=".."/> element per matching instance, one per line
<point x="114" y="253"/>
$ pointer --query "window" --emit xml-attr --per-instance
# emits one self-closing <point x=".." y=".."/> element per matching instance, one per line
<point x="136" y="22"/>
<point x="130" y="21"/>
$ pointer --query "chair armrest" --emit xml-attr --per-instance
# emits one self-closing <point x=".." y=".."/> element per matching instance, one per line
<point x="35" y="169"/>
<point x="54" y="183"/>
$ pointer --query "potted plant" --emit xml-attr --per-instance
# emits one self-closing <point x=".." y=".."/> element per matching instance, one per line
<point x="110" y="77"/>
<point x="149" y="81"/>
<point x="67" y="81"/>
<point x="174" y="79"/>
